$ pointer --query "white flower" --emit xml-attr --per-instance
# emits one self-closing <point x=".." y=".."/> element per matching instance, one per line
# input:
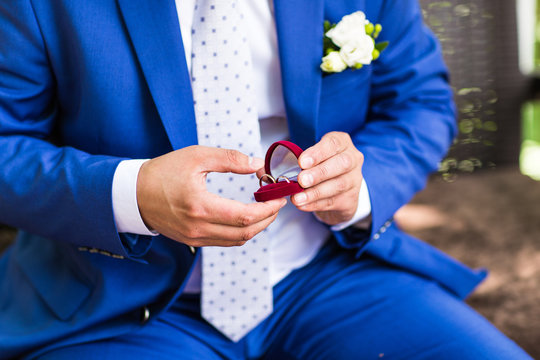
<point x="349" y="43"/>
<point x="358" y="51"/>
<point x="333" y="63"/>
<point x="351" y="28"/>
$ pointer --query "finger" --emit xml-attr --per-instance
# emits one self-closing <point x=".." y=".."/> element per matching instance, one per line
<point x="335" y="166"/>
<point x="260" y="173"/>
<point x="341" y="202"/>
<point x="331" y="144"/>
<point x="326" y="189"/>
<point x="225" y="235"/>
<point x="227" y="160"/>
<point x="223" y="211"/>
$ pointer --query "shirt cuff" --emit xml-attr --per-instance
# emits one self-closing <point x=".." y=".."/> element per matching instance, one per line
<point x="363" y="211"/>
<point x="124" y="198"/>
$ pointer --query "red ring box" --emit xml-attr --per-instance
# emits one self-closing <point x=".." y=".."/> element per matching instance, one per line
<point x="281" y="160"/>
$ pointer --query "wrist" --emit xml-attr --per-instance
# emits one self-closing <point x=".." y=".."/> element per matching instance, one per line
<point x="142" y="186"/>
<point x="362" y="215"/>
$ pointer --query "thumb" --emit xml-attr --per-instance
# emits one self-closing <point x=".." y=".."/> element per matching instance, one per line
<point x="228" y="160"/>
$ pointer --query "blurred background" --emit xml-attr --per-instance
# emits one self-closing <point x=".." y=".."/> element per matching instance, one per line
<point x="483" y="207"/>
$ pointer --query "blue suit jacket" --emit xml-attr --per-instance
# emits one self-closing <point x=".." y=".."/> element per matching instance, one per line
<point x="86" y="84"/>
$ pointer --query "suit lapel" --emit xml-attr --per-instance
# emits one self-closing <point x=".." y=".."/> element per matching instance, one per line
<point x="155" y="33"/>
<point x="300" y="36"/>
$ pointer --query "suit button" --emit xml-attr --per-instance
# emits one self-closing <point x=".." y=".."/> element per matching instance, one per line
<point x="145" y="314"/>
<point x="192" y="249"/>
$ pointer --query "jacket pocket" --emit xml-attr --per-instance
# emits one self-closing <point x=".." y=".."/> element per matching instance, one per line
<point x="346" y="81"/>
<point x="48" y="270"/>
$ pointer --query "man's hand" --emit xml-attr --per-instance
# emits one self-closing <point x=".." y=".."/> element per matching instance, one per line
<point x="173" y="199"/>
<point x="332" y="176"/>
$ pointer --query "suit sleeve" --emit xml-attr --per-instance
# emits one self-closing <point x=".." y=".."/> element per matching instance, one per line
<point x="411" y="121"/>
<point x="59" y="193"/>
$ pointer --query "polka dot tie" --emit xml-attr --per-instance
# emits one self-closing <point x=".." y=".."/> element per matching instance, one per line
<point x="236" y="291"/>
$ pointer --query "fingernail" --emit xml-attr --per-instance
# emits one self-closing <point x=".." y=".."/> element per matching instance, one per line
<point x="300" y="198"/>
<point x="306" y="180"/>
<point x="306" y="162"/>
<point x="256" y="163"/>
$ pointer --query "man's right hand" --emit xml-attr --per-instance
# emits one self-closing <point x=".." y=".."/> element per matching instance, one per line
<point x="173" y="199"/>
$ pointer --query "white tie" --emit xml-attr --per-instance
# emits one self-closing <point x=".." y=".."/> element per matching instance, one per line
<point x="236" y="291"/>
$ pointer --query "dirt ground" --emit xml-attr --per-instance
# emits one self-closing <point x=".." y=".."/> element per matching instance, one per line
<point x="487" y="219"/>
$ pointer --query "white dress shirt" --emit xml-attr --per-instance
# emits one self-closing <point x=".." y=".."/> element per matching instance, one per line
<point x="296" y="236"/>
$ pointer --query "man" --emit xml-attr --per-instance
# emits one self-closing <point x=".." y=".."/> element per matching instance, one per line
<point x="87" y="88"/>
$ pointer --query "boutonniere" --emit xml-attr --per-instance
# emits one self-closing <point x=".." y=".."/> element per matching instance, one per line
<point x="351" y="43"/>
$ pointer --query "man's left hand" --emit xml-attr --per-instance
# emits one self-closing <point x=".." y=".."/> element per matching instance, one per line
<point x="332" y="176"/>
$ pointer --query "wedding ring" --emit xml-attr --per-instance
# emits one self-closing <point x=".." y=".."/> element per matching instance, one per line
<point x="268" y="176"/>
<point x="283" y="177"/>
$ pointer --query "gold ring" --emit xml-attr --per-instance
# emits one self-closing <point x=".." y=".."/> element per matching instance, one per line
<point x="283" y="177"/>
<point x="268" y="176"/>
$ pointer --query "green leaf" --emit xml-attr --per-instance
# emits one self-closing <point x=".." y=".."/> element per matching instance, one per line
<point x="381" y="46"/>
<point x="327" y="25"/>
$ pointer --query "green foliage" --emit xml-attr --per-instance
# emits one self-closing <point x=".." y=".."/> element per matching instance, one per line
<point x="381" y="46"/>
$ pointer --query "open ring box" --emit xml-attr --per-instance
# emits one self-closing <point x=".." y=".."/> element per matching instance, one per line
<point x="282" y="169"/>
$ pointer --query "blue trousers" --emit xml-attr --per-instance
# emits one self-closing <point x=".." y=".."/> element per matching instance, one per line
<point x="336" y="307"/>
